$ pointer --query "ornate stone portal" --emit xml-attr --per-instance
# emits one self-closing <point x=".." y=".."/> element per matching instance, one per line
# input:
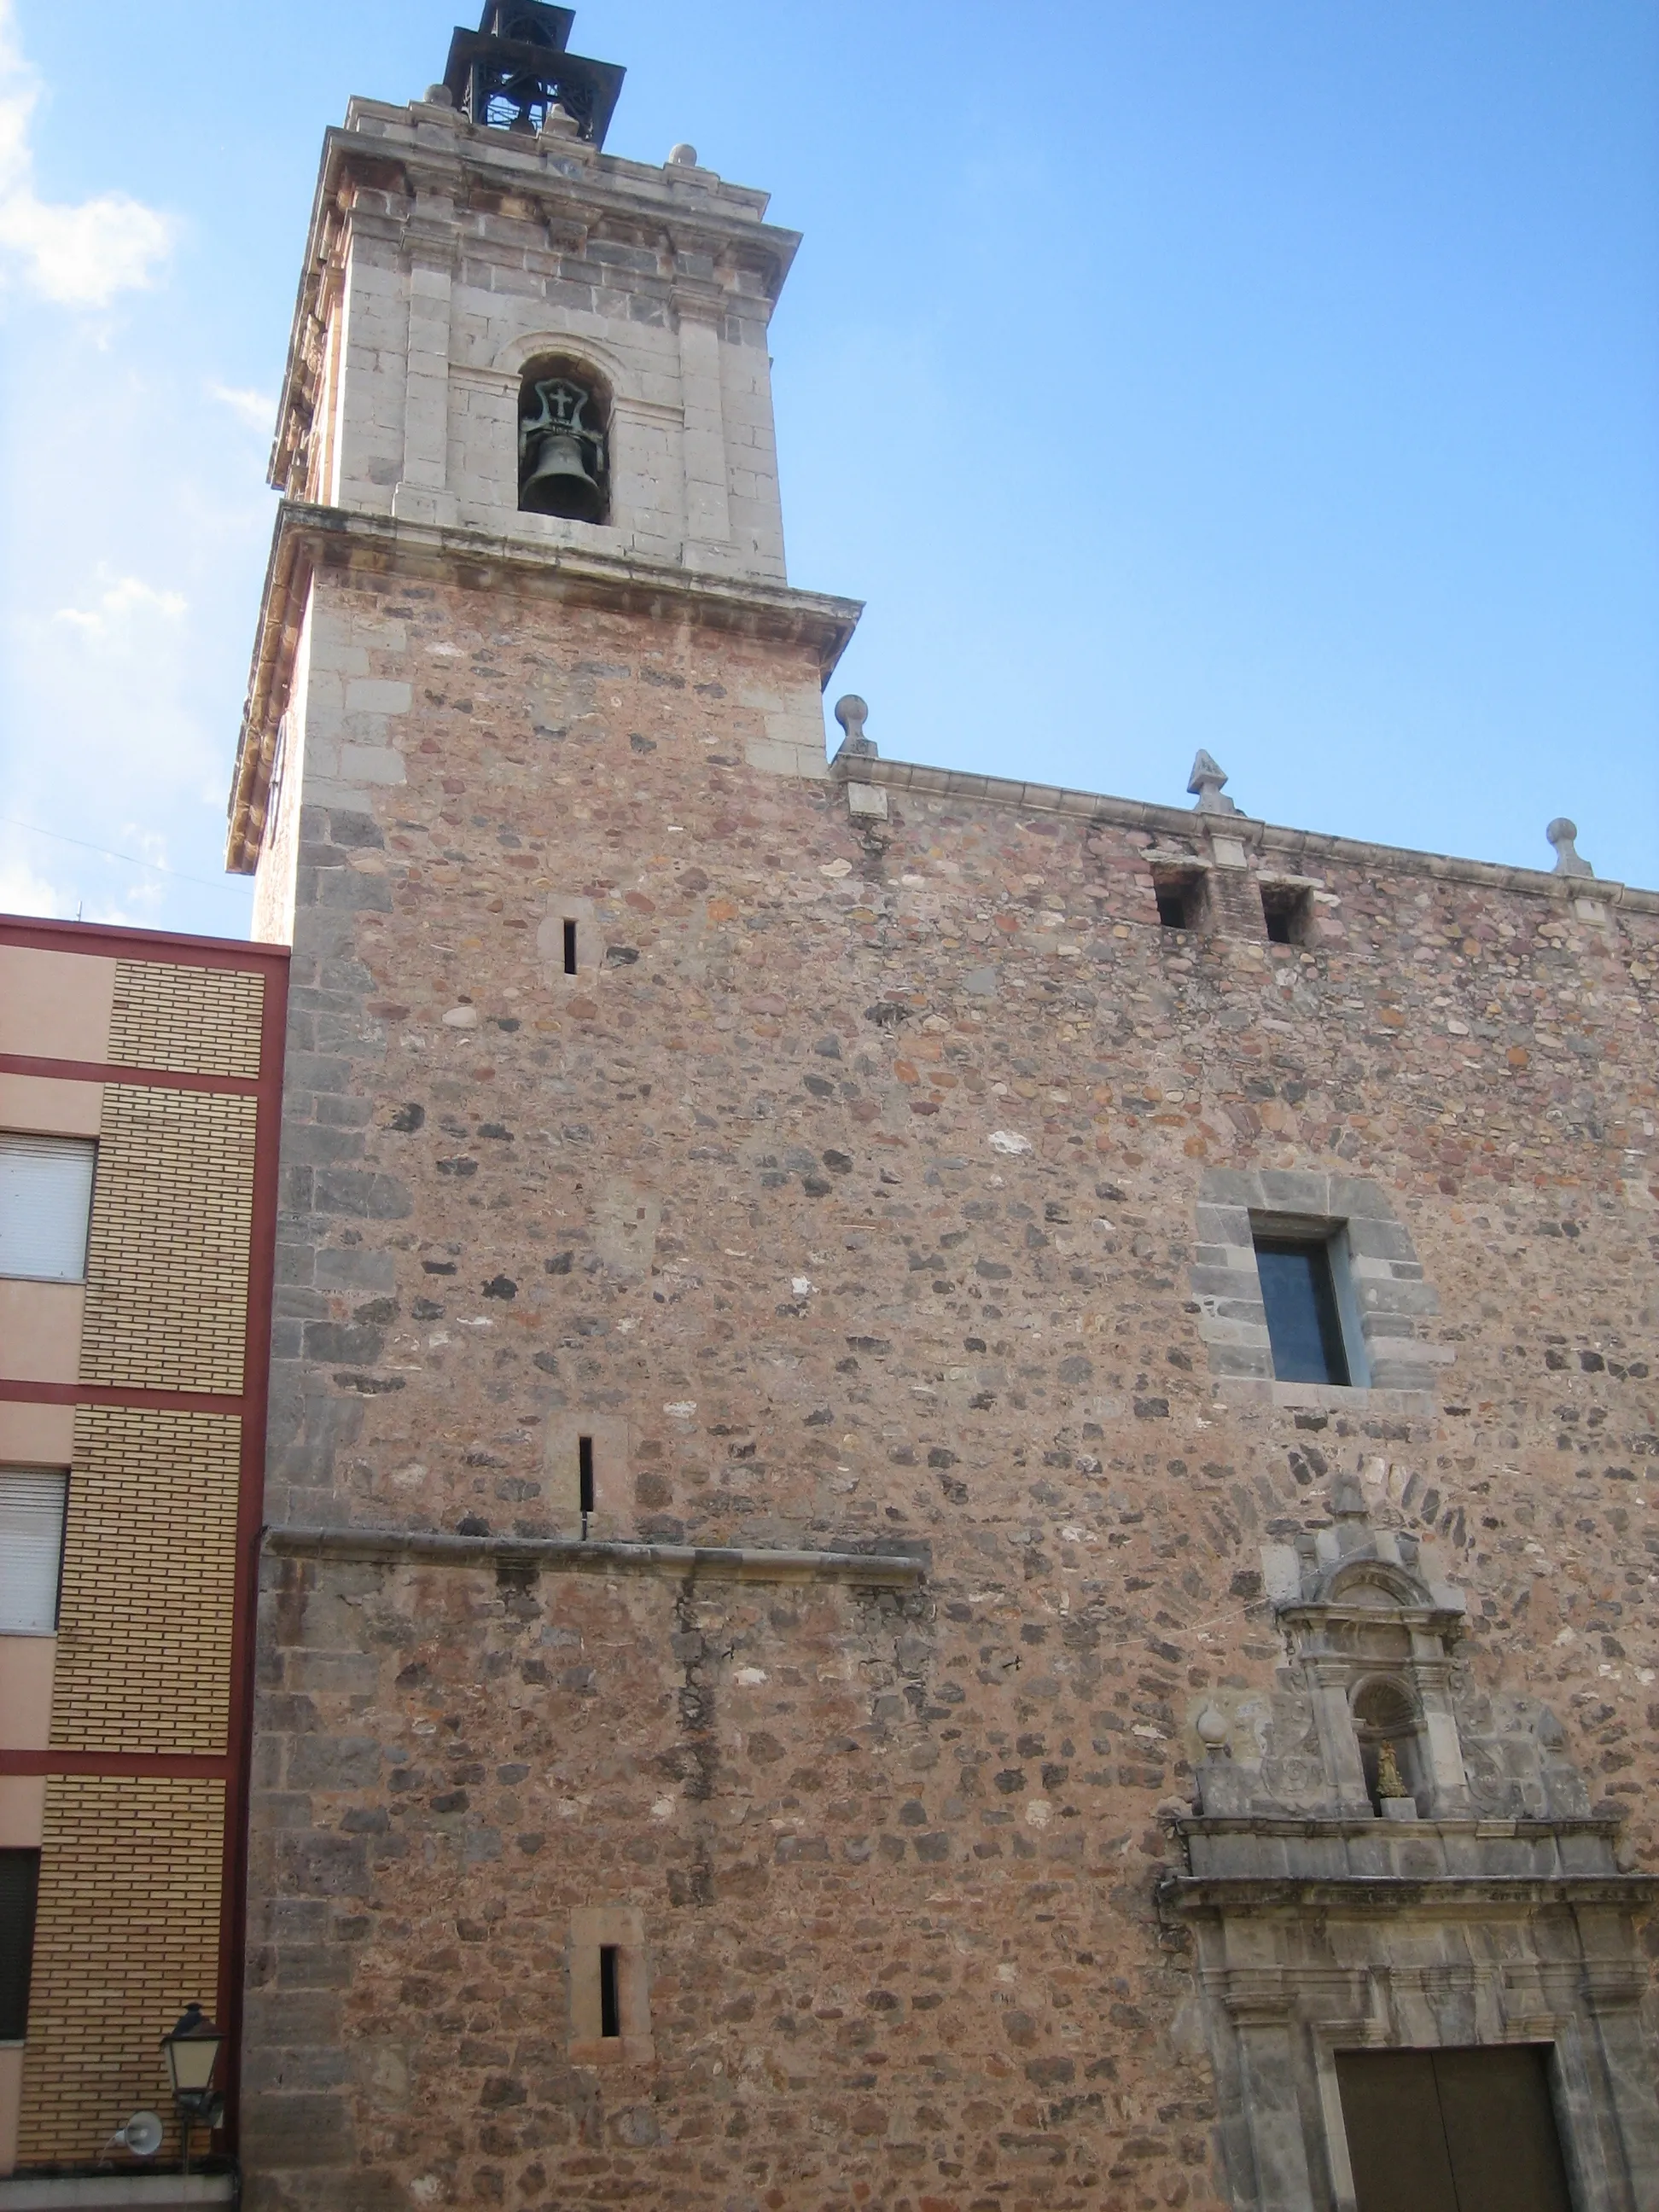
<point x="1382" y="1858"/>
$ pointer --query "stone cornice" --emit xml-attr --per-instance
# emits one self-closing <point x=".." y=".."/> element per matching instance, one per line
<point x="1389" y="1894"/>
<point x="1365" y="1827"/>
<point x="568" y="1555"/>
<point x="310" y="537"/>
<point x="1275" y="850"/>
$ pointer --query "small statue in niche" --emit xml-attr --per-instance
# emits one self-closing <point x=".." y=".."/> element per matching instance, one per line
<point x="1390" y="1783"/>
<point x="561" y="461"/>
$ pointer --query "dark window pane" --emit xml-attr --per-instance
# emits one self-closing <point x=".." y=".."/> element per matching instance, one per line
<point x="1303" y="1325"/>
<point x="20" y="1878"/>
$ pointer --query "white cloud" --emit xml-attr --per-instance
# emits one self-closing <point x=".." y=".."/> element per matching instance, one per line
<point x="22" y="890"/>
<point x="79" y="255"/>
<point x="124" y="611"/>
<point x="257" y="408"/>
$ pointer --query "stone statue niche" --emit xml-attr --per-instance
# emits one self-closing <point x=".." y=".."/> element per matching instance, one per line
<point x="1382" y="1858"/>
<point x="1372" y="1717"/>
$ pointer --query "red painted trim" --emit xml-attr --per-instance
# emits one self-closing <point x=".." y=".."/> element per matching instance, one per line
<point x="16" y="1392"/>
<point x="250" y="1522"/>
<point x="98" y="938"/>
<point x="184" y="1765"/>
<point x="146" y="1078"/>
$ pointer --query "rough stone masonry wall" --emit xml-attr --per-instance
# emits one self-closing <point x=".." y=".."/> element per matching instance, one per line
<point x="853" y="1183"/>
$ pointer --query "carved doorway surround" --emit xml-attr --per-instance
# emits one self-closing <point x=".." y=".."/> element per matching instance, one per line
<point x="1457" y="1893"/>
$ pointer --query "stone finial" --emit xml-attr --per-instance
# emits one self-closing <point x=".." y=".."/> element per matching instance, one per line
<point x="1214" y="1732"/>
<point x="439" y="95"/>
<point x="560" y="123"/>
<point x="1569" y="860"/>
<point x="1206" y="780"/>
<point x="683" y="156"/>
<point x="850" y="711"/>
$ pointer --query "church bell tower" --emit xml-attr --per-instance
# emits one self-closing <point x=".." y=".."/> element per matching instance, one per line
<point x="539" y="371"/>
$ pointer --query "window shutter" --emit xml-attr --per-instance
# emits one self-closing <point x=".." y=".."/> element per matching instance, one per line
<point x="45" y="1204"/>
<point x="31" y="1544"/>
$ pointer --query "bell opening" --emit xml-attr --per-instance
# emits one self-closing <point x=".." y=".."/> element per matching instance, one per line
<point x="564" y="422"/>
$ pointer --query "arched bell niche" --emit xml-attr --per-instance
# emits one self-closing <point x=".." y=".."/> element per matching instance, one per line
<point x="564" y="439"/>
<point x="1387" y="1722"/>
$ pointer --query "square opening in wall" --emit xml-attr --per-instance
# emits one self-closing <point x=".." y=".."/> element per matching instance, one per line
<point x="1305" y="1290"/>
<point x="1287" y="910"/>
<point x="1180" y="895"/>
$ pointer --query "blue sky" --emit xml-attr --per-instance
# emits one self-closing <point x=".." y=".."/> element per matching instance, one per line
<point x="1278" y="376"/>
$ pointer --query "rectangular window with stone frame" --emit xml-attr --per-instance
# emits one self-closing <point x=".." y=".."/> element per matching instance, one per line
<point x="1308" y="1281"/>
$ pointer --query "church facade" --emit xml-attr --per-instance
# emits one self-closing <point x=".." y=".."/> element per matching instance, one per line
<point x="958" y="1490"/>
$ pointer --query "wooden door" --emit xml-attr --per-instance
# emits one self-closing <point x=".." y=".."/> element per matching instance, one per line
<point x="1453" y="2131"/>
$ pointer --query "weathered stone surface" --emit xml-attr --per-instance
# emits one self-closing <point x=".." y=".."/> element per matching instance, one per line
<point x="894" y="1855"/>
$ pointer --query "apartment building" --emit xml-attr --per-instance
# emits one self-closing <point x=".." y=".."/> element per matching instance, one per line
<point x="139" y="1081"/>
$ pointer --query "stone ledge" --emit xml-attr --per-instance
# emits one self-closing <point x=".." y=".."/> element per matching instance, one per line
<point x="1242" y="1391"/>
<point x="115" y="2190"/>
<point x="1314" y="1824"/>
<point x="570" y="1555"/>
<point x="1392" y="1894"/>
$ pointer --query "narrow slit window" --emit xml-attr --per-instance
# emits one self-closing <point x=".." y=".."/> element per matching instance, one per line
<point x="19" y="1883"/>
<point x="1304" y="1326"/>
<point x="609" y="1990"/>
<point x="570" y="948"/>
<point x="585" y="1475"/>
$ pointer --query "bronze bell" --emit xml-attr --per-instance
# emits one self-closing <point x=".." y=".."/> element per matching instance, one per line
<point x="561" y="459"/>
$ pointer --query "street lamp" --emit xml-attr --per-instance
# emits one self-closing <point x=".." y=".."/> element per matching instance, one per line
<point x="192" y="2052"/>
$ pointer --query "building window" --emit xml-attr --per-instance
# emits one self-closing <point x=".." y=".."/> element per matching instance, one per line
<point x="1287" y="910"/>
<point x="1180" y="895"/>
<point x="564" y="458"/>
<point x="45" y="1207"/>
<point x="1304" y="1288"/>
<point x="1468" y="2131"/>
<point x="20" y="1883"/>
<point x="610" y="1987"/>
<point x="32" y="1500"/>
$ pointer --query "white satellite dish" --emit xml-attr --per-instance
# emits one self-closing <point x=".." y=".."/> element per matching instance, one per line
<point x="141" y="2135"/>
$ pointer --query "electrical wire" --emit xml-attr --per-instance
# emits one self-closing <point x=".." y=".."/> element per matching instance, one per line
<point x="131" y="860"/>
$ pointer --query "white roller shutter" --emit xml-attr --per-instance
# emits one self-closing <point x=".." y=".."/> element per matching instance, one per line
<point x="46" y="1203"/>
<point x="31" y="1543"/>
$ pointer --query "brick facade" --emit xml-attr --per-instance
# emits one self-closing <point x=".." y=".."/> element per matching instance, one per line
<point x="125" y="1724"/>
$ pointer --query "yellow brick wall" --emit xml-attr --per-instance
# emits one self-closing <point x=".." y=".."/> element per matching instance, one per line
<point x="198" y="1021"/>
<point x="144" y="1626"/>
<point x="168" y="1261"/>
<point x="127" y="1935"/>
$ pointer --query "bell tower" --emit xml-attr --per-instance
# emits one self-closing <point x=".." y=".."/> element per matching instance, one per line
<point x="510" y="348"/>
<point x="526" y="652"/>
